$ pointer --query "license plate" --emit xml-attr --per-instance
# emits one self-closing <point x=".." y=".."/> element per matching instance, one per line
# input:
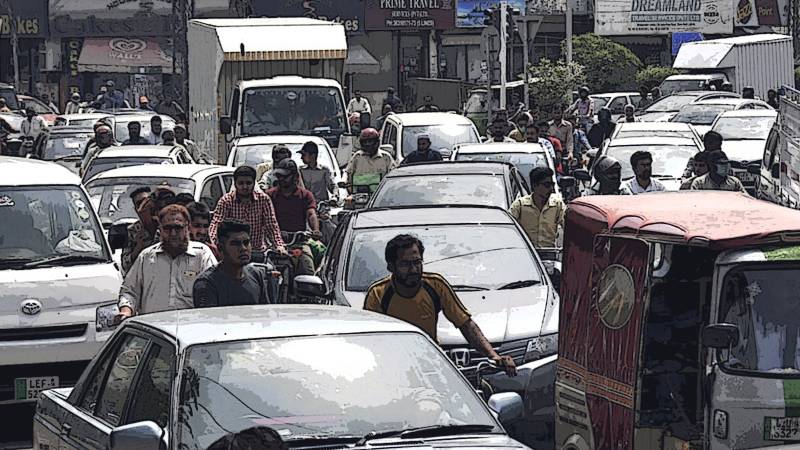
<point x="29" y="388"/>
<point x="746" y="177"/>
<point x="782" y="428"/>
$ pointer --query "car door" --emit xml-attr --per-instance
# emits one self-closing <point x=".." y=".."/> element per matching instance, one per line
<point x="101" y="403"/>
<point x="767" y="187"/>
<point x="211" y="192"/>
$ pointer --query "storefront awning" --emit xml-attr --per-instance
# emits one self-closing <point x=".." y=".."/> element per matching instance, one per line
<point x="125" y="55"/>
<point x="360" y="60"/>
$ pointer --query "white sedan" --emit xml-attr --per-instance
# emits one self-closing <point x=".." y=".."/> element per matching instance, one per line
<point x="655" y="130"/>
<point x="670" y="156"/>
<point x="702" y="114"/>
<point x="744" y="137"/>
<point x="524" y="156"/>
<point x="135" y="155"/>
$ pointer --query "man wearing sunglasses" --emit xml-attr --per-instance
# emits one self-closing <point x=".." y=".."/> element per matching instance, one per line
<point x="540" y="213"/>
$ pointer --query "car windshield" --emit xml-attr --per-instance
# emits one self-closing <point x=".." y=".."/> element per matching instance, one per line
<point x="121" y="127"/>
<point x="253" y="155"/>
<point x="624" y="133"/>
<point x="47" y="222"/>
<point x="669" y="161"/>
<point x="763" y="303"/>
<point x="292" y="110"/>
<point x="524" y="162"/>
<point x="85" y="123"/>
<point x="744" y="128"/>
<point x="38" y="107"/>
<point x="313" y="387"/>
<point x="10" y="97"/>
<point x="111" y="196"/>
<point x="700" y="114"/>
<point x="100" y="165"/>
<point x="459" y="189"/>
<point x="670" y="103"/>
<point x="61" y="146"/>
<point x="670" y="86"/>
<point x="442" y="136"/>
<point x="473" y="255"/>
<point x="600" y="102"/>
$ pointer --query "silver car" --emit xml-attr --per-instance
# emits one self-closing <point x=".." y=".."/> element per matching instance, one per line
<point x="318" y="376"/>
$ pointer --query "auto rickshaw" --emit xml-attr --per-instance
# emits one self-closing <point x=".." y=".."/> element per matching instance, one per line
<point x="679" y="323"/>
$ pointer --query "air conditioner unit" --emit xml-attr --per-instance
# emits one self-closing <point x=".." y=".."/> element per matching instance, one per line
<point x="50" y="56"/>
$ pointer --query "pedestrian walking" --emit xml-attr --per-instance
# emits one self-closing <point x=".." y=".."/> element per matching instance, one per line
<point x="358" y="104"/>
<point x="498" y="130"/>
<point x="643" y="181"/>
<point x="415" y="296"/>
<point x="540" y="213"/>
<point x="392" y="100"/>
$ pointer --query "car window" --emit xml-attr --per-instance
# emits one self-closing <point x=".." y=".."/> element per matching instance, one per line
<point x="119" y="380"/>
<point x="211" y="192"/>
<point x="95" y="382"/>
<point x="151" y="401"/>
<point x="617" y="106"/>
<point x="336" y="247"/>
<point x="227" y="180"/>
<point x="516" y="191"/>
<point x="450" y="189"/>
<point x="392" y="136"/>
<point x="769" y="150"/>
<point x="635" y="99"/>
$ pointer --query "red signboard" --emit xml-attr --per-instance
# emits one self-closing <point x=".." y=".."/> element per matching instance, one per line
<point x="409" y="14"/>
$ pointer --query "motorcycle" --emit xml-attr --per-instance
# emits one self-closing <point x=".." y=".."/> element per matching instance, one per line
<point x="286" y="269"/>
<point x="360" y="196"/>
<point x="327" y="223"/>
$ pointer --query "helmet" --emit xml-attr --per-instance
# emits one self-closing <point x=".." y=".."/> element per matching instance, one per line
<point x="355" y="118"/>
<point x="584" y="89"/>
<point x="368" y="133"/>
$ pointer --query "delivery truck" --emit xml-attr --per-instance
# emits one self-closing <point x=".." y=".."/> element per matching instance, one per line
<point x="763" y="61"/>
<point x="266" y="76"/>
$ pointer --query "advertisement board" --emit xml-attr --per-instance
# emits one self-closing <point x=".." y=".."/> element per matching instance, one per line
<point x="649" y="17"/>
<point x="350" y="13"/>
<point x="30" y="18"/>
<point x="409" y="14"/>
<point x="470" y="13"/>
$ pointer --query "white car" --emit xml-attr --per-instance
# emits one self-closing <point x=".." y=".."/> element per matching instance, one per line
<point x="58" y="283"/>
<point x="702" y="113"/>
<point x="446" y="131"/>
<point x="615" y="101"/>
<point x="135" y="155"/>
<point x="670" y="156"/>
<point x="666" y="107"/>
<point x="524" y="156"/>
<point x="744" y="136"/>
<point x="655" y="130"/>
<point x="86" y="120"/>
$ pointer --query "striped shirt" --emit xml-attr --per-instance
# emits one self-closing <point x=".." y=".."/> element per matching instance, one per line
<point x="258" y="213"/>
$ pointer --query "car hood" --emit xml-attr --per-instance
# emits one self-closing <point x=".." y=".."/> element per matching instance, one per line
<point x="494" y="441"/>
<point x="61" y="291"/>
<point x="503" y="316"/>
<point x="744" y="150"/>
<point x="657" y="116"/>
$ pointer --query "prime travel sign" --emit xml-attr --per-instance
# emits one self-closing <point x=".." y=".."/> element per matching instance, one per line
<point x="409" y="14"/>
<point x="648" y="17"/>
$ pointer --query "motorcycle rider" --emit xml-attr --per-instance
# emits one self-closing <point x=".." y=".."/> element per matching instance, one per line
<point x="369" y="165"/>
<point x="607" y="172"/>
<point x="32" y="129"/>
<point x="74" y="104"/>
<point x="583" y="108"/>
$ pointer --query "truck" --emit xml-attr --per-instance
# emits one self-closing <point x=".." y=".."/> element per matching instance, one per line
<point x="763" y="61"/>
<point x="266" y="76"/>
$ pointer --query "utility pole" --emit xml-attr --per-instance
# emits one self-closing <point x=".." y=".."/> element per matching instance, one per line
<point x="12" y="19"/>
<point x="502" y="55"/>
<point x="568" y="19"/>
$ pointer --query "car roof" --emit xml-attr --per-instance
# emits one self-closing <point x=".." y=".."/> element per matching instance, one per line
<point x="124" y="112"/>
<point x="614" y="94"/>
<point x="501" y="147"/>
<point x="71" y="129"/>
<point x="238" y="323"/>
<point x="277" y="139"/>
<point x="724" y="101"/>
<point x="136" y="116"/>
<point x="429" y="215"/>
<point x="654" y="126"/>
<point x="84" y="116"/>
<point x="702" y="93"/>
<point x="429" y="118"/>
<point x="186" y="171"/>
<point x="289" y="81"/>
<point x="137" y="151"/>
<point x="450" y="167"/>
<point x="750" y="113"/>
<point x="654" y="140"/>
<point x="31" y="172"/>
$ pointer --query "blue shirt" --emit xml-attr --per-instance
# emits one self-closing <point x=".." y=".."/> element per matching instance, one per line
<point x="580" y="143"/>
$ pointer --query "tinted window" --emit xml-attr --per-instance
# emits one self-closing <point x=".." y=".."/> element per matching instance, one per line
<point x="617" y="106"/>
<point x="700" y="114"/>
<point x="119" y="380"/>
<point x="151" y="401"/>
<point x="65" y="145"/>
<point x="294" y="109"/>
<point x="465" y="189"/>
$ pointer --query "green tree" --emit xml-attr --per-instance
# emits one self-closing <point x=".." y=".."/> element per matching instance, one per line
<point x="609" y="66"/>
<point x="550" y="84"/>
<point x="652" y="76"/>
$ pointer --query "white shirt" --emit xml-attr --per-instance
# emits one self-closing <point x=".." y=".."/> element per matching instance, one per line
<point x="157" y="282"/>
<point x="359" y="106"/>
<point x="33" y="127"/>
<point x="654" y="186"/>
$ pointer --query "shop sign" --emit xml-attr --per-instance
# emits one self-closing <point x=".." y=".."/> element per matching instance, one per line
<point x="349" y="13"/>
<point x="653" y="17"/>
<point x="30" y="17"/>
<point x="409" y="14"/>
<point x="73" y="55"/>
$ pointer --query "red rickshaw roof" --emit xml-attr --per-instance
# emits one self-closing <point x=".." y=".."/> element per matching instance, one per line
<point x="721" y="220"/>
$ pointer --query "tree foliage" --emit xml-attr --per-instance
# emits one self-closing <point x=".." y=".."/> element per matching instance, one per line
<point x="609" y="66"/>
<point x="551" y="83"/>
<point x="652" y="76"/>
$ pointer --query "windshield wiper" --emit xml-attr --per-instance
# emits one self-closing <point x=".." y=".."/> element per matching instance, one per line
<point x="61" y="158"/>
<point x="428" y="431"/>
<point x="466" y="287"/>
<point x="14" y="262"/>
<point x="519" y="284"/>
<point x="64" y="258"/>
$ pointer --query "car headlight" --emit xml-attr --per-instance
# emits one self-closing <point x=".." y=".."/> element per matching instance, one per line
<point x="104" y="317"/>
<point x="541" y="346"/>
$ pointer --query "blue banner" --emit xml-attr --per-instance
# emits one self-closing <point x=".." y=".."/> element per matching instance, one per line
<point x="470" y="13"/>
<point x="679" y="39"/>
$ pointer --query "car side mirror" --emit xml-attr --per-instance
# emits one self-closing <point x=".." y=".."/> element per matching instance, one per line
<point x="137" y="436"/>
<point x="309" y="286"/>
<point x="720" y="335"/>
<point x="365" y="119"/>
<point x="776" y="170"/>
<point x="581" y="175"/>
<point x="754" y="169"/>
<point x="507" y="406"/>
<point x="118" y="236"/>
<point x="225" y="125"/>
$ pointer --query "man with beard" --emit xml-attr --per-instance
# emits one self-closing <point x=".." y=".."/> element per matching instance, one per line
<point x="642" y="164"/>
<point x="416" y="297"/>
<point x="104" y="138"/>
<point x="163" y="275"/>
<point x="135" y="135"/>
<point x="143" y="232"/>
<point x="607" y="172"/>
<point x="234" y="281"/>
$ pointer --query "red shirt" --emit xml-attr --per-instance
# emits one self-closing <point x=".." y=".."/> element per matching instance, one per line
<point x="291" y="209"/>
<point x="259" y="214"/>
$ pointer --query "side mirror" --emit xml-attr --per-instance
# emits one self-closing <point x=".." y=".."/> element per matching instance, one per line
<point x="388" y="148"/>
<point x="118" y="236"/>
<point x="507" y="405"/>
<point x="567" y="182"/>
<point x="309" y="286"/>
<point x="754" y="169"/>
<point x="365" y="120"/>
<point x="225" y="125"/>
<point x="581" y="175"/>
<point x="720" y="335"/>
<point x="776" y="170"/>
<point x="345" y="150"/>
<point x="137" y="436"/>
